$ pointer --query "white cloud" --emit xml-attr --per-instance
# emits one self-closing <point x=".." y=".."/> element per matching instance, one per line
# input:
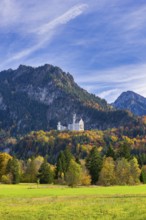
<point x="126" y="73"/>
<point x="134" y="20"/>
<point x="110" y="83"/>
<point x="109" y="93"/>
<point x="27" y="15"/>
<point x="63" y="19"/>
<point x="46" y="31"/>
<point x="9" y="12"/>
<point x="115" y="33"/>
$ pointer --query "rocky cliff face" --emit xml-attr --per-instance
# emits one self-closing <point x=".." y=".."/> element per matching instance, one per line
<point x="131" y="101"/>
<point x="37" y="98"/>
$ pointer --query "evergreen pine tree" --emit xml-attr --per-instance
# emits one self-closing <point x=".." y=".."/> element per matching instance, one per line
<point x="110" y="152"/>
<point x="13" y="170"/>
<point x="68" y="156"/>
<point x="143" y="174"/>
<point x="61" y="165"/>
<point x="124" y="151"/>
<point x="94" y="164"/>
<point x="45" y="173"/>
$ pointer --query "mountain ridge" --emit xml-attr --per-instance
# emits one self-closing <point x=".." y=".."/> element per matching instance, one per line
<point x="36" y="98"/>
<point x="131" y="101"/>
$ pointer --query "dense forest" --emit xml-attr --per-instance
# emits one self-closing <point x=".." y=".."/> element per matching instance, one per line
<point x="50" y="143"/>
<point x="113" y="156"/>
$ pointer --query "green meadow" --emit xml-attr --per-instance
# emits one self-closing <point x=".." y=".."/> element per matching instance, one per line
<point x="27" y="201"/>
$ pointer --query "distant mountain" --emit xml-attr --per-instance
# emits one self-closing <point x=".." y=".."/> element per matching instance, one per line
<point x="37" y="98"/>
<point x="131" y="101"/>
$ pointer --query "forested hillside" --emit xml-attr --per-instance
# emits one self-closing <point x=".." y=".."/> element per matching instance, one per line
<point x="37" y="98"/>
<point x="91" y="157"/>
<point x="80" y="143"/>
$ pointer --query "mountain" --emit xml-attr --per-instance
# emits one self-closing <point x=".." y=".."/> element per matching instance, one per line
<point x="131" y="101"/>
<point x="37" y="98"/>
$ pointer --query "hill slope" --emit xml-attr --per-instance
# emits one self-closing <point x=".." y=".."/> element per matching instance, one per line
<point x="37" y="98"/>
<point x="131" y="101"/>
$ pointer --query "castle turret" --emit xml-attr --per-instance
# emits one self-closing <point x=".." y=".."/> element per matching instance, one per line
<point x="59" y="126"/>
<point x="81" y="125"/>
<point x="74" y="122"/>
<point x="74" y="118"/>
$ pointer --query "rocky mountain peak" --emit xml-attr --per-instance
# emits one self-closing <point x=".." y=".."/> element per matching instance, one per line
<point x="131" y="101"/>
<point x="35" y="98"/>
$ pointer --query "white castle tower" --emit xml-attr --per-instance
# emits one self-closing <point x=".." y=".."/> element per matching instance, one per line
<point x="75" y="126"/>
<point x="81" y="125"/>
<point x="61" y="127"/>
<point x="74" y="122"/>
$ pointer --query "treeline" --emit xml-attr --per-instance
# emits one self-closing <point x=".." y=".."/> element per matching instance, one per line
<point x="52" y="142"/>
<point x="94" y="169"/>
<point x="80" y="143"/>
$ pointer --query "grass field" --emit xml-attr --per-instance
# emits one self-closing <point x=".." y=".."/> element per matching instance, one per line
<point x="26" y="201"/>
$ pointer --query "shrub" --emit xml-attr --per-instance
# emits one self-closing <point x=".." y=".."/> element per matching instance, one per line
<point x="6" y="179"/>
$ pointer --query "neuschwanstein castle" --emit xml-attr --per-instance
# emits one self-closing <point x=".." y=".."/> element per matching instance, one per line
<point x="72" y="127"/>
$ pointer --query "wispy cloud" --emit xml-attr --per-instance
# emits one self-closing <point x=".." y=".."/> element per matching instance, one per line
<point x="122" y="74"/>
<point x="105" y="48"/>
<point x="46" y="31"/>
<point x="9" y="12"/>
<point x="110" y="83"/>
<point x="63" y="19"/>
<point x="135" y="19"/>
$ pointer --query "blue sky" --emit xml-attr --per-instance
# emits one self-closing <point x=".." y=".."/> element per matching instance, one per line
<point x="102" y="43"/>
